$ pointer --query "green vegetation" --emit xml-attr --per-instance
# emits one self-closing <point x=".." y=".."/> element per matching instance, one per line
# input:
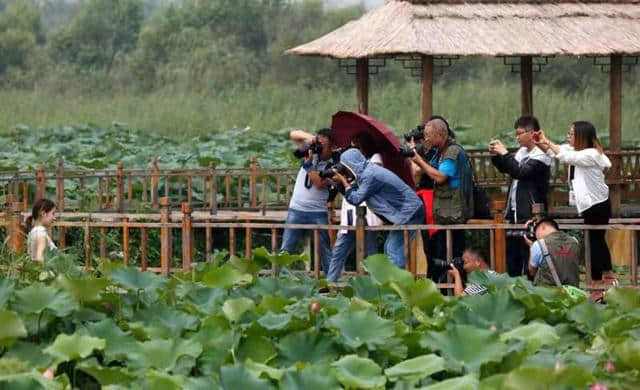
<point x="188" y="67"/>
<point x="222" y="326"/>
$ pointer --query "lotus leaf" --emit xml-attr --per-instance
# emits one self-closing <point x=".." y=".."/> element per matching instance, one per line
<point x="306" y="346"/>
<point x="361" y="373"/>
<point x="234" y="308"/>
<point x="466" y="346"/>
<point x="273" y="321"/>
<point x="357" y="328"/>
<point x="39" y="297"/>
<point x="12" y="327"/>
<point x="383" y="270"/>
<point x="238" y="377"/>
<point x="467" y="382"/>
<point x="75" y="346"/>
<point x="225" y="276"/>
<point x="416" y="368"/>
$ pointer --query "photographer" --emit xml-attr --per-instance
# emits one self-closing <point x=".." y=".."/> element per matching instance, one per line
<point x="386" y="195"/>
<point x="451" y="173"/>
<point x="472" y="260"/>
<point x="308" y="203"/>
<point x="554" y="254"/>
<point x="530" y="170"/>
<point x="345" y="242"/>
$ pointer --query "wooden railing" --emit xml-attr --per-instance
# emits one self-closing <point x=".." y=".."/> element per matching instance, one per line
<point x="206" y="231"/>
<point x="248" y="189"/>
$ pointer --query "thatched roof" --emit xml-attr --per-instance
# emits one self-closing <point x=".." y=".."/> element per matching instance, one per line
<point x="485" y="28"/>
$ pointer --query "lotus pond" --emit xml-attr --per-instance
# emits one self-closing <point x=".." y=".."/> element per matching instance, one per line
<point x="224" y="326"/>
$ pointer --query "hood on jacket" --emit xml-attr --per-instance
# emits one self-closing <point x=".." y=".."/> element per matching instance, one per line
<point x="535" y="154"/>
<point x="355" y="161"/>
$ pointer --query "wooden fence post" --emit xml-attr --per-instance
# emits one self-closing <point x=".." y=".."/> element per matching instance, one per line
<point x="60" y="198"/>
<point x="143" y="248"/>
<point x="165" y="256"/>
<point x="15" y="230"/>
<point x="119" y="188"/>
<point x="360" y="238"/>
<point x="213" y="189"/>
<point x="125" y="241"/>
<point x="154" y="183"/>
<point x="187" y="237"/>
<point x="500" y="238"/>
<point x="253" y="181"/>
<point x="40" y="183"/>
<point x="87" y="243"/>
<point x="316" y="255"/>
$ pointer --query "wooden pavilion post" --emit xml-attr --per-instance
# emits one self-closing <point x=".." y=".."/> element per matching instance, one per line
<point x="426" y="103"/>
<point x="615" y="128"/>
<point x="362" y="85"/>
<point x="526" y="82"/>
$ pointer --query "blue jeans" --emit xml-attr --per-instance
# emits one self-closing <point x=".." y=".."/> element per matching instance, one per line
<point x="291" y="237"/>
<point x="345" y="243"/>
<point x="394" y="244"/>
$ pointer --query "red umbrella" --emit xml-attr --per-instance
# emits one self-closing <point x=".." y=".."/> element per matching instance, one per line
<point x="346" y="125"/>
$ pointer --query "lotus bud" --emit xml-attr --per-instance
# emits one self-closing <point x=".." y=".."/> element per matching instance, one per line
<point x="315" y="306"/>
<point x="610" y="367"/>
<point x="48" y="373"/>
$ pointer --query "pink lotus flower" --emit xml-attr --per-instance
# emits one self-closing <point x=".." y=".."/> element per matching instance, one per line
<point x="598" y="386"/>
<point x="315" y="306"/>
<point x="48" y="373"/>
<point x="610" y="367"/>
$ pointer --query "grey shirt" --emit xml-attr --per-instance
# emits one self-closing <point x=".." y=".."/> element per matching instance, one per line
<point x="306" y="196"/>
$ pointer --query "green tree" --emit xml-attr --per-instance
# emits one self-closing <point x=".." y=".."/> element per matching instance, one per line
<point x="101" y="31"/>
<point x="20" y="31"/>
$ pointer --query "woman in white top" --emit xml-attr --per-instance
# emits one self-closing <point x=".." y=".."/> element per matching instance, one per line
<point x="42" y="216"/>
<point x="588" y="186"/>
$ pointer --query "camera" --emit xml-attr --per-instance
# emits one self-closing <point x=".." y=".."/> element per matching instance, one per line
<point x="315" y="148"/>
<point x="330" y="171"/>
<point x="530" y="233"/>
<point x="420" y="149"/>
<point x="417" y="134"/>
<point x="440" y="268"/>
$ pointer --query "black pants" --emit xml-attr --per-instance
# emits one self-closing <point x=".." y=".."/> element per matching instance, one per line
<point x="598" y="214"/>
<point x="517" y="252"/>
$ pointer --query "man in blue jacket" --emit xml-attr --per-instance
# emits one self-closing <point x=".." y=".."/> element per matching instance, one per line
<point x="386" y="195"/>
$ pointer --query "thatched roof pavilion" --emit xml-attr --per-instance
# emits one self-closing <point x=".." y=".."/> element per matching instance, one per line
<point x="428" y="29"/>
<point x="485" y="28"/>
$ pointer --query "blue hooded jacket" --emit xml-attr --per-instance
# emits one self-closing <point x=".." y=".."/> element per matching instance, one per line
<point x="385" y="193"/>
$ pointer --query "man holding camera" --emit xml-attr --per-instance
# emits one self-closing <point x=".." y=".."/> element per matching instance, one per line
<point x="308" y="203"/>
<point x="386" y="195"/>
<point x="554" y="255"/>
<point x="530" y="170"/>
<point x="451" y="173"/>
<point x="472" y="260"/>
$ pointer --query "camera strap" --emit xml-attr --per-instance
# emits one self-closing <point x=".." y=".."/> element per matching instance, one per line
<point x="552" y="267"/>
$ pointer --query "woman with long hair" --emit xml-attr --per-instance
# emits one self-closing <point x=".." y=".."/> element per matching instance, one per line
<point x="43" y="214"/>
<point x="588" y="188"/>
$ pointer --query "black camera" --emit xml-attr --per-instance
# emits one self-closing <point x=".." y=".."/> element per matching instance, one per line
<point x="420" y="149"/>
<point x="440" y="267"/>
<point x="530" y="233"/>
<point x="416" y="134"/>
<point x="315" y="148"/>
<point x="330" y="171"/>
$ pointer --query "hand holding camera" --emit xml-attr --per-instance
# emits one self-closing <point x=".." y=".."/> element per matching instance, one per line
<point x="497" y="147"/>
